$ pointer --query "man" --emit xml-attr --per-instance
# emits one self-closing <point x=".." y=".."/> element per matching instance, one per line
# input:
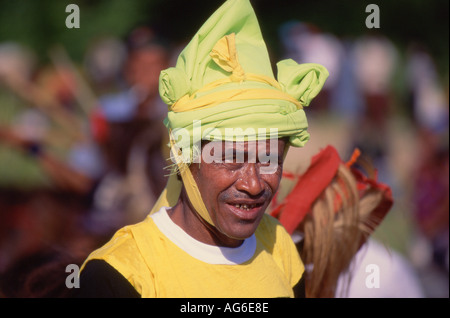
<point x="230" y="125"/>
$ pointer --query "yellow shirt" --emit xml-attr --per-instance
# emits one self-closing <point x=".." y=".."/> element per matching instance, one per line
<point x="161" y="260"/>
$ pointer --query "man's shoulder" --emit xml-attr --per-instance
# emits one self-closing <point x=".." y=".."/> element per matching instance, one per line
<point x="123" y="253"/>
<point x="270" y="229"/>
<point x="277" y="241"/>
<point x="268" y="222"/>
<point x="121" y="248"/>
<point x="122" y="239"/>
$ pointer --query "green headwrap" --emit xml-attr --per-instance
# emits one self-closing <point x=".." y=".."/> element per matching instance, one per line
<point x="223" y="81"/>
<point x="206" y="60"/>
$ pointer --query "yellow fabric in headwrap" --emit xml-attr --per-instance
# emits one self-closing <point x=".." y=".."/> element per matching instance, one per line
<point x="187" y="103"/>
<point x="225" y="55"/>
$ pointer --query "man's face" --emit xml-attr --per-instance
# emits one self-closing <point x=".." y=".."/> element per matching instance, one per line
<point x="234" y="191"/>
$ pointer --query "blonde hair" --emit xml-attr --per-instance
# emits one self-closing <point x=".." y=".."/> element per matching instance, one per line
<point x="339" y="222"/>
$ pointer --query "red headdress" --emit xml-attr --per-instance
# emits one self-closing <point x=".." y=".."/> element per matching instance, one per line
<point x="323" y="168"/>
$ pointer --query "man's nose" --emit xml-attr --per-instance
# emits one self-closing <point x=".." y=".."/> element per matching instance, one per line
<point x="250" y="180"/>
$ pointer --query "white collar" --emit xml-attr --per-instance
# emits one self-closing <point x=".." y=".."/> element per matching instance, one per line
<point x="204" y="252"/>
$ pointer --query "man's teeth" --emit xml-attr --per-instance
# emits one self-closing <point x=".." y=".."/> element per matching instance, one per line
<point x="245" y="206"/>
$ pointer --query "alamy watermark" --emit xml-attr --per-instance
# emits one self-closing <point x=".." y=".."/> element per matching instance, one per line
<point x="73" y="19"/>
<point x="373" y="19"/>
<point x="373" y="277"/>
<point x="73" y="279"/>
<point x="261" y="146"/>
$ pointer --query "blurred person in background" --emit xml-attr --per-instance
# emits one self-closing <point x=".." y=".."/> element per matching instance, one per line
<point x="131" y="133"/>
<point x="375" y="59"/>
<point x="427" y="99"/>
<point x="44" y="187"/>
<point x="331" y="210"/>
<point x="103" y="64"/>
<point x="306" y="43"/>
<point x="131" y="142"/>
<point x="430" y="188"/>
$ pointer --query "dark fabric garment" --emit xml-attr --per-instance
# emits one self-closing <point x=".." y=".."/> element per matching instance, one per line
<point x="98" y="279"/>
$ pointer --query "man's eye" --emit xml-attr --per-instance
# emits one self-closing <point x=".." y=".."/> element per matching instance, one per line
<point x="233" y="158"/>
<point x="230" y="159"/>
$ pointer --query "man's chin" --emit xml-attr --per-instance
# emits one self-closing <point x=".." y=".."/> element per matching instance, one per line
<point x="242" y="231"/>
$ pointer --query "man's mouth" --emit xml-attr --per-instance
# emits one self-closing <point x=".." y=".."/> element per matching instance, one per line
<point x="247" y="207"/>
<point x="246" y="211"/>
